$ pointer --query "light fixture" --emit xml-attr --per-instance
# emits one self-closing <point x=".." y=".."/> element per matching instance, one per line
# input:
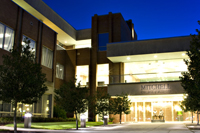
<point x="148" y="108"/>
<point x="131" y="108"/>
<point x="65" y="41"/>
<point x="47" y="108"/>
<point x="128" y="58"/>
<point x="140" y="108"/>
<point x="155" y="56"/>
<point x="183" y="54"/>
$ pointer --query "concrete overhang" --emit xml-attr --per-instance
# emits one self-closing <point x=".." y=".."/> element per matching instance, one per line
<point x="168" y="48"/>
<point x="37" y="8"/>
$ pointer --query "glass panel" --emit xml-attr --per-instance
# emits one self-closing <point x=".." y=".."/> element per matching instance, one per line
<point x="165" y="107"/>
<point x="59" y="71"/>
<point x="47" y="57"/>
<point x="102" y="74"/>
<point x="82" y="73"/>
<point x="151" y="71"/>
<point x="1" y="35"/>
<point x="148" y="111"/>
<point x="103" y="39"/>
<point x="9" y="39"/>
<point x="140" y="111"/>
<point x="155" y="66"/>
<point x="31" y="44"/>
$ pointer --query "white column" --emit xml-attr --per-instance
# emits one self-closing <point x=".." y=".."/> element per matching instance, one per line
<point x="135" y="111"/>
<point x="151" y="110"/>
<point x="144" y="113"/>
<point x="172" y="111"/>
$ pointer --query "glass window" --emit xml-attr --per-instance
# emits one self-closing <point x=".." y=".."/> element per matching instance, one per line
<point x="59" y="71"/>
<point x="6" y="37"/>
<point x="47" y="57"/>
<point x="102" y="74"/>
<point x="82" y="73"/>
<point x="156" y="70"/>
<point x="31" y="42"/>
<point x="103" y="39"/>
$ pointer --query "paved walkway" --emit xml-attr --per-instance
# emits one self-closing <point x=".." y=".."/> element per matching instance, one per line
<point x="117" y="128"/>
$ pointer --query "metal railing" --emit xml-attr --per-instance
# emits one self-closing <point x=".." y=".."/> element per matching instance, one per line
<point x="145" y="77"/>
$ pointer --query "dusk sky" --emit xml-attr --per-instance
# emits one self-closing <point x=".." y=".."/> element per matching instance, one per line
<point x="152" y="18"/>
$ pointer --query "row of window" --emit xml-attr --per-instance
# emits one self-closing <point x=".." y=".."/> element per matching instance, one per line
<point x="7" y="41"/>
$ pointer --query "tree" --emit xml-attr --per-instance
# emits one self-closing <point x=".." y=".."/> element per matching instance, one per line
<point x="21" y="78"/>
<point x="120" y="105"/>
<point x="102" y="105"/>
<point x="190" y="80"/>
<point x="72" y="98"/>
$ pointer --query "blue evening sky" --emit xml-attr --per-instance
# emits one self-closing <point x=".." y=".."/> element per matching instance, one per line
<point x="151" y="18"/>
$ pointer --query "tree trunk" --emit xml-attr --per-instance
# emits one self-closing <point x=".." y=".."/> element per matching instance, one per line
<point x="76" y="121"/>
<point x="192" y="116"/>
<point x="120" y="117"/>
<point x="15" y="113"/>
<point x="103" y="120"/>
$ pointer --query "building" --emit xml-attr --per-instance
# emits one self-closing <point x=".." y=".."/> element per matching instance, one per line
<point x="106" y="58"/>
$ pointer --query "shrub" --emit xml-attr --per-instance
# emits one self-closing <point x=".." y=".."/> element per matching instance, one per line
<point x="7" y="120"/>
<point x="111" y="119"/>
<point x="41" y="119"/>
<point x="59" y="113"/>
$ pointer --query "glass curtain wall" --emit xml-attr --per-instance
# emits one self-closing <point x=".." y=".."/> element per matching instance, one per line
<point x="153" y="71"/>
<point x="147" y="108"/>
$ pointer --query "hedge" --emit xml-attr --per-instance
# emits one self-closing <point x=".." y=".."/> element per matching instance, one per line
<point x="7" y="120"/>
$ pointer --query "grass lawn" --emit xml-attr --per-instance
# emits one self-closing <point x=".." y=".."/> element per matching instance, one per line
<point x="57" y="125"/>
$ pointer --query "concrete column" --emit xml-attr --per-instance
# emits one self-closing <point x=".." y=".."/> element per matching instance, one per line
<point x="144" y="113"/>
<point x="135" y="111"/>
<point x="117" y="71"/>
<point x="151" y="109"/>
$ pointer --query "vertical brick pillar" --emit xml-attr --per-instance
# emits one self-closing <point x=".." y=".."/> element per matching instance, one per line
<point x="93" y="63"/>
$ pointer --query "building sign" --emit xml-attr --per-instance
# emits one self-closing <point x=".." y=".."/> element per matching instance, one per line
<point x="146" y="88"/>
<point x="155" y="88"/>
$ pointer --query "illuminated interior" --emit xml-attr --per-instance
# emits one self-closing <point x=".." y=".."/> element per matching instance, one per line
<point x="155" y="70"/>
<point x="82" y="73"/>
<point x="102" y="74"/>
<point x="143" y="108"/>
